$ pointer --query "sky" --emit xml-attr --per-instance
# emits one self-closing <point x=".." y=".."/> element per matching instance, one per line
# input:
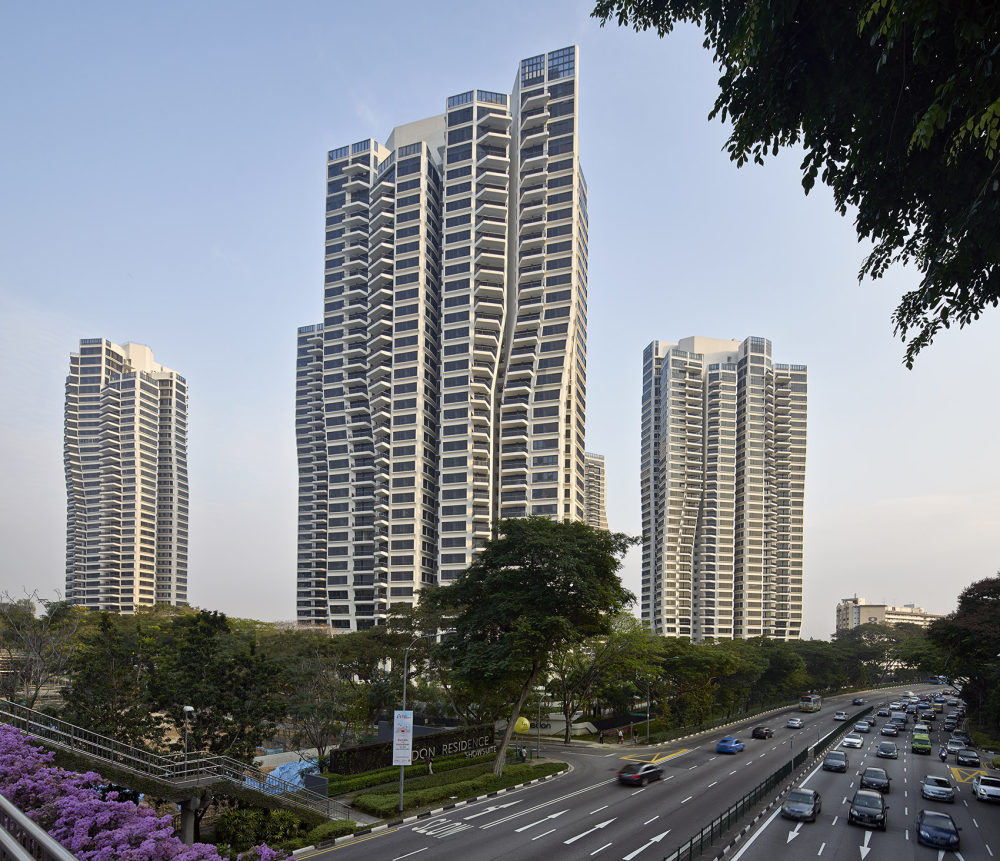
<point x="162" y="177"/>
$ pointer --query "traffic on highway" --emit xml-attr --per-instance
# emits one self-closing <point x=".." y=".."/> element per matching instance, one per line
<point x="640" y="803"/>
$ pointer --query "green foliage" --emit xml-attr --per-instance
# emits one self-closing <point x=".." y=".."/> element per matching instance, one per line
<point x="244" y="828"/>
<point x="538" y="586"/>
<point x="330" y="831"/>
<point x="895" y="105"/>
<point x="340" y="784"/>
<point x="384" y="804"/>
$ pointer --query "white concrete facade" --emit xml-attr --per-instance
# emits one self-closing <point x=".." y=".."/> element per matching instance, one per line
<point x="446" y="386"/>
<point x="855" y="611"/>
<point x="722" y="487"/>
<point x="596" y="489"/>
<point x="125" y="458"/>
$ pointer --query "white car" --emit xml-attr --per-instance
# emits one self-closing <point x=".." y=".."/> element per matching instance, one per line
<point x="922" y="727"/>
<point x="852" y="740"/>
<point x="986" y="788"/>
<point x="840" y="716"/>
<point x="794" y="723"/>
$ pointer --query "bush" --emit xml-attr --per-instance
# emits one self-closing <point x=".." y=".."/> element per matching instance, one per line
<point x="331" y="831"/>
<point x="340" y="784"/>
<point x="246" y="828"/>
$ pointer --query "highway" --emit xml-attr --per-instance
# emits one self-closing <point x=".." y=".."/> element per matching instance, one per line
<point x="587" y="813"/>
<point x="832" y="839"/>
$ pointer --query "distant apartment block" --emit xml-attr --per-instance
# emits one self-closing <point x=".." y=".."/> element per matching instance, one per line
<point x="125" y="457"/>
<point x="855" y="611"/>
<point x="723" y="453"/>
<point x="446" y="384"/>
<point x="596" y="488"/>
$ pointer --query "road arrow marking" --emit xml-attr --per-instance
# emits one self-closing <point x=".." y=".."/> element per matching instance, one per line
<point x="540" y="821"/>
<point x="655" y="839"/>
<point x="866" y="848"/>
<point x="493" y="807"/>
<point x="794" y="833"/>
<point x="604" y="824"/>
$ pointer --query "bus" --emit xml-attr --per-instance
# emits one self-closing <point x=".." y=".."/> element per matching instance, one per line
<point x="810" y="703"/>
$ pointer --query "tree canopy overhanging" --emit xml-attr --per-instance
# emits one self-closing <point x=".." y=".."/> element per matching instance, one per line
<point x="897" y="106"/>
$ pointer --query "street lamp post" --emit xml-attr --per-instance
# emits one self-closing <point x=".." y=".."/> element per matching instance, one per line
<point x="188" y="710"/>
<point x="406" y="669"/>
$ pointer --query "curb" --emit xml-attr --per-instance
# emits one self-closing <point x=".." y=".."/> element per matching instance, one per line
<point x="326" y="844"/>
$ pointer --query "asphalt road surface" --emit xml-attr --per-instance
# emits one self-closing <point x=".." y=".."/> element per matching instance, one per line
<point x="832" y="839"/>
<point x="587" y="813"/>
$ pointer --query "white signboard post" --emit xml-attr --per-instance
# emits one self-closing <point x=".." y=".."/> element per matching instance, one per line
<point x="402" y="737"/>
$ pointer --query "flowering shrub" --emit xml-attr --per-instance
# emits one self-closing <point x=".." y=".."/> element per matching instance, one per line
<point x="69" y="806"/>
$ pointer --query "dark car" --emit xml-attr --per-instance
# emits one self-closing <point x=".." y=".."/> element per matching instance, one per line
<point x="835" y="760"/>
<point x="890" y="729"/>
<point x="858" y="701"/>
<point x="937" y="829"/>
<point x="640" y="773"/>
<point x="887" y="750"/>
<point x="875" y="778"/>
<point x="967" y="757"/>
<point x="928" y="715"/>
<point x="762" y="732"/>
<point x="962" y="735"/>
<point x="937" y="789"/>
<point x="867" y="808"/>
<point x="802" y="804"/>
<point x="883" y="712"/>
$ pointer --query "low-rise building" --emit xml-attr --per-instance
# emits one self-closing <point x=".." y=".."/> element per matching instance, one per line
<point x="855" y="611"/>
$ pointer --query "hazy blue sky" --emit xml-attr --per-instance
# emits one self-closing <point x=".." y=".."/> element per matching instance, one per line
<point x="162" y="180"/>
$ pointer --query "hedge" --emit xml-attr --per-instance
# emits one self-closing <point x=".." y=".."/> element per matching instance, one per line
<point x="341" y="784"/>
<point x="385" y="804"/>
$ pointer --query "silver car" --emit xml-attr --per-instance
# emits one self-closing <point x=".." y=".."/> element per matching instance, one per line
<point x="937" y="788"/>
<point x="986" y="788"/>
<point x="852" y="740"/>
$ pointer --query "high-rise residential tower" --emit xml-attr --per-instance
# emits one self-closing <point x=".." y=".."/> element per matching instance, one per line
<point x="596" y="488"/>
<point x="125" y="455"/>
<point x="446" y="385"/>
<point x="722" y="482"/>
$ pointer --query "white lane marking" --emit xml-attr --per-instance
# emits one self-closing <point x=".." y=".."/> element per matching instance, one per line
<point x="408" y="854"/>
<point x="762" y="756"/>
<point x="974" y="822"/>
<point x="692" y="767"/>
<point x="712" y="784"/>
<point x="712" y="758"/>
<point x="835" y="818"/>
<point x="652" y="840"/>
<point x="543" y="834"/>
<point x="651" y="820"/>
<point x="906" y="831"/>
<point x="547" y="803"/>
<point x="822" y="846"/>
<point x="540" y="821"/>
<point x="906" y="812"/>
<point x="670" y="777"/>
<point x="599" y="809"/>
<point x="638" y="791"/>
<point x="756" y="834"/>
<point x="987" y="845"/>
<point x="794" y="832"/>
<point x="493" y="807"/>
<point x="686" y="800"/>
<point x="732" y="773"/>
<point x="605" y="846"/>
<point x="844" y="801"/>
<point x="603" y="824"/>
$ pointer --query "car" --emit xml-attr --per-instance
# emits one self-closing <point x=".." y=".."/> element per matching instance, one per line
<point x="857" y="701"/>
<point x="729" y="745"/>
<point x="883" y="712"/>
<point x="937" y="829"/>
<point x="640" y="773"/>
<point x="867" y="808"/>
<point x="840" y="716"/>
<point x="937" y="788"/>
<point x="920" y="743"/>
<point x="875" y="778"/>
<point x="931" y="715"/>
<point x="964" y="736"/>
<point x="911" y="709"/>
<point x="862" y="726"/>
<point x="794" y="723"/>
<point x="895" y="706"/>
<point x="921" y="728"/>
<point x="852" y="740"/>
<point x="802" y="804"/>
<point x="870" y="720"/>
<point x="762" y="732"/>
<point x="955" y="745"/>
<point x="967" y="757"/>
<point x="953" y="702"/>
<point x="889" y="729"/>
<point x="887" y="750"/>
<point x="986" y="788"/>
<point x="949" y="724"/>
<point x="835" y="760"/>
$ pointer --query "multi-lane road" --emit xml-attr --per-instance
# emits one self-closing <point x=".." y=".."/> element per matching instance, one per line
<point x="588" y="814"/>
<point x="832" y="839"/>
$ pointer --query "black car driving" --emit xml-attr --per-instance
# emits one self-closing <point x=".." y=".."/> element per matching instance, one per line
<point x="867" y="808"/>
<point x="640" y="773"/>
<point x="802" y="804"/>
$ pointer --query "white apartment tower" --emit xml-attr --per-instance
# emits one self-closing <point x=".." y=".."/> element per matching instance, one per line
<point x="446" y="385"/>
<point x="596" y="482"/>
<point x="722" y="483"/>
<point x="125" y="456"/>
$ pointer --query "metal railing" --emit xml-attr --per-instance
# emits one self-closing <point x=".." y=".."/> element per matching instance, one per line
<point x="711" y="833"/>
<point x="23" y="840"/>
<point x="175" y="769"/>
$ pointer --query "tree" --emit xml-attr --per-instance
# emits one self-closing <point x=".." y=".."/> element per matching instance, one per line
<point x="36" y="647"/>
<point x="539" y="586"/>
<point x="896" y="106"/>
<point x="108" y="689"/>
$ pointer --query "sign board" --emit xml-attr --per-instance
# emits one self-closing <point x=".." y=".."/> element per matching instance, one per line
<point x="402" y="737"/>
